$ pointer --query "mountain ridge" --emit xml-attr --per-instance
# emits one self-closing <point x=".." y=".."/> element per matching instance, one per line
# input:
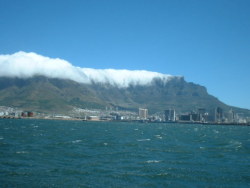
<point x="45" y="94"/>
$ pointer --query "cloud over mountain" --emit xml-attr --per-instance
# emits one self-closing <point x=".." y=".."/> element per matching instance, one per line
<point x="26" y="65"/>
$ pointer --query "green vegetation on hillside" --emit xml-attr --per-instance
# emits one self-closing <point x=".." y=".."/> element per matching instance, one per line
<point x="57" y="95"/>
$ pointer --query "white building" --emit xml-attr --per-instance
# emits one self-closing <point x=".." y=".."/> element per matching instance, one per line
<point x="143" y="113"/>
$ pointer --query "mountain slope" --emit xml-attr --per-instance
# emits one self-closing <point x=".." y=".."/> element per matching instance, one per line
<point x="57" y="95"/>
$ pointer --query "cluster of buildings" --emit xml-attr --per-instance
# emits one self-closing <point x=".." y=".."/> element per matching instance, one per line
<point x="9" y="112"/>
<point x="217" y="115"/>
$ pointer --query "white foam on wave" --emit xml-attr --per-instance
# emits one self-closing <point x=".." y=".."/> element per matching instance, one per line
<point x="163" y="174"/>
<point x="234" y="144"/>
<point x="143" y="140"/>
<point x="76" y="141"/>
<point x="215" y="131"/>
<point x="153" y="161"/>
<point x="21" y="152"/>
<point x="158" y="136"/>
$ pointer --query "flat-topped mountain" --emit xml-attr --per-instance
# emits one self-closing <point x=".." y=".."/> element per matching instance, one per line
<point x="38" y="83"/>
<point x="40" y="93"/>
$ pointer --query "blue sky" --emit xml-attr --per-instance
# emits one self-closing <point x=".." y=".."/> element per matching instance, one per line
<point x="208" y="42"/>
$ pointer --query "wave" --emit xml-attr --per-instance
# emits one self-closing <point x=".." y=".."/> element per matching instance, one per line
<point x="143" y="140"/>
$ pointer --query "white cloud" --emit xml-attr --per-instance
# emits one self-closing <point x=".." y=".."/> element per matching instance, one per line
<point x="26" y="65"/>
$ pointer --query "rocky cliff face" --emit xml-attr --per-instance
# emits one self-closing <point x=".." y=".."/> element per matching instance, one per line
<point x="57" y="95"/>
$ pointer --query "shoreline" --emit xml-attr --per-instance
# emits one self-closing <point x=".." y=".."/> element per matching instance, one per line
<point x="128" y="121"/>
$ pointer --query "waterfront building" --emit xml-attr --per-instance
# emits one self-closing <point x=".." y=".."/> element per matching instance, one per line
<point x="218" y="114"/>
<point x="185" y="117"/>
<point x="202" y="114"/>
<point x="143" y="113"/>
<point x="230" y="116"/>
<point x="24" y="114"/>
<point x="194" y="117"/>
<point x="93" y="118"/>
<point x="170" y="115"/>
<point x="30" y="114"/>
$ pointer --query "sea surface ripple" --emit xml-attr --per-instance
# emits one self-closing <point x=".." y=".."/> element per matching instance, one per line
<point x="50" y="153"/>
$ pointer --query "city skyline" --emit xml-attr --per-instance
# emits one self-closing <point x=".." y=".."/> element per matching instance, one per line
<point x="207" y="42"/>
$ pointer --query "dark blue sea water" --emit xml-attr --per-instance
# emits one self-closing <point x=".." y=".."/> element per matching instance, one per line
<point x="49" y="153"/>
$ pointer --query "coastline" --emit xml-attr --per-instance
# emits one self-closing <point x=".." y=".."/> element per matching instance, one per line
<point x="138" y="121"/>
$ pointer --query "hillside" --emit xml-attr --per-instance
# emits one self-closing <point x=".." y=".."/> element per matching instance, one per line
<point x="44" y="94"/>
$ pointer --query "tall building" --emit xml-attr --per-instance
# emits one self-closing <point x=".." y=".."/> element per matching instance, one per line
<point x="202" y="114"/>
<point x="170" y="115"/>
<point x="143" y="113"/>
<point x="218" y="114"/>
<point x="231" y="116"/>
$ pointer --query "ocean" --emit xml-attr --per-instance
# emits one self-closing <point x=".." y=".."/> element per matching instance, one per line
<point x="53" y="153"/>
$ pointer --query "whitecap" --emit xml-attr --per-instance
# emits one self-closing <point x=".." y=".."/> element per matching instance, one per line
<point x="143" y="140"/>
<point x="235" y="144"/>
<point x="215" y="131"/>
<point x="163" y="174"/>
<point x="158" y="136"/>
<point x="153" y="161"/>
<point x="21" y="152"/>
<point x="1" y="138"/>
<point x="105" y="144"/>
<point x="76" y="141"/>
